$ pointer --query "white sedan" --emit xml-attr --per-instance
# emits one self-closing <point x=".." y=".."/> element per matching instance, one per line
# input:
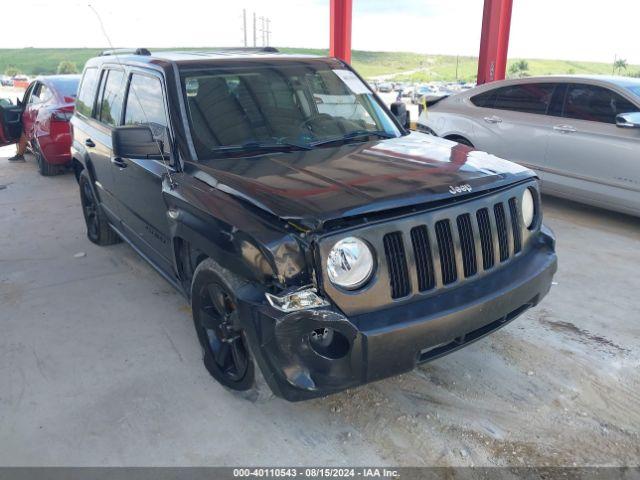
<point x="581" y="134"/>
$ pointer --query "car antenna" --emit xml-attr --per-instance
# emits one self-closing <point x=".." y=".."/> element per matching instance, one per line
<point x="172" y="184"/>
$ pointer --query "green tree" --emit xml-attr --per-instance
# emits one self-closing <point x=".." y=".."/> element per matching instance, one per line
<point x="620" y="64"/>
<point x="11" y="71"/>
<point x="519" y="68"/>
<point x="67" y="67"/>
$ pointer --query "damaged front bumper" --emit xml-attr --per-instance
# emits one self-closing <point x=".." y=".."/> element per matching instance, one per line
<point x="311" y="353"/>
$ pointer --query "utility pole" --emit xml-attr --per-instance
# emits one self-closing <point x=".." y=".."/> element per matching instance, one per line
<point x="244" y="25"/>
<point x="254" y="29"/>
<point x="268" y="32"/>
<point x="613" y="69"/>
<point x="457" y="63"/>
<point x="262" y="30"/>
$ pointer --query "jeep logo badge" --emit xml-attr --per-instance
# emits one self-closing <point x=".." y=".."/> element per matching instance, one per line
<point x="459" y="189"/>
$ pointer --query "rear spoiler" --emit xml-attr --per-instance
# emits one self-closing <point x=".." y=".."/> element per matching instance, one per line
<point x="430" y="100"/>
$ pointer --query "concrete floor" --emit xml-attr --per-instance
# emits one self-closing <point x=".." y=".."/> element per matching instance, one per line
<point x="99" y="363"/>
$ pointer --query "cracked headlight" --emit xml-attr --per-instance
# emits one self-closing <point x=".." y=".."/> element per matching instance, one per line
<point x="350" y="263"/>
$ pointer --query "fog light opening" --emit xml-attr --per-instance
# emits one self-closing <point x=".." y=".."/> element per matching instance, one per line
<point x="329" y="343"/>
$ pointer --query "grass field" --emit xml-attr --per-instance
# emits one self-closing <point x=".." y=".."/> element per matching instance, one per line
<point x="402" y="65"/>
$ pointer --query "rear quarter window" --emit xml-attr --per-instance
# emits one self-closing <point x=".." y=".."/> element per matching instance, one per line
<point x="484" y="100"/>
<point x="87" y="92"/>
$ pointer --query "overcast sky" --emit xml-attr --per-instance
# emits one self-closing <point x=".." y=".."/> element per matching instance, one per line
<point x="559" y="29"/>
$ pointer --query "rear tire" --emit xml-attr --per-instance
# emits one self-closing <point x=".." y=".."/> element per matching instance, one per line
<point x="98" y="229"/>
<point x="44" y="167"/>
<point x="227" y="354"/>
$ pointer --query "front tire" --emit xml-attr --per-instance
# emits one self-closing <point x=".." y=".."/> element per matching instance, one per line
<point x="98" y="229"/>
<point x="227" y="355"/>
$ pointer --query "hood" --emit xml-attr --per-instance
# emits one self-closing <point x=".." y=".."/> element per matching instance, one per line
<point x="314" y="186"/>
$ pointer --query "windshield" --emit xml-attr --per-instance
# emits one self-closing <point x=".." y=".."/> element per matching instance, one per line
<point x="287" y="106"/>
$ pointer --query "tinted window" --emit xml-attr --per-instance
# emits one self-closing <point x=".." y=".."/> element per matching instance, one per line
<point x="597" y="104"/>
<point x="485" y="99"/>
<point x="145" y="105"/>
<point x="111" y="98"/>
<point x="84" y="103"/>
<point x="527" y="98"/>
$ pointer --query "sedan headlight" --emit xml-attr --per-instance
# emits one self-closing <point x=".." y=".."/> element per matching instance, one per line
<point x="350" y="263"/>
<point x="528" y="208"/>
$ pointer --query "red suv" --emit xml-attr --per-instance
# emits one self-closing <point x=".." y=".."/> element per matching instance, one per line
<point x="43" y="114"/>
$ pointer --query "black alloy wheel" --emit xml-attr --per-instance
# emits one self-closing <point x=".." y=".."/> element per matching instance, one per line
<point x="90" y="211"/>
<point x="226" y="353"/>
<point x="98" y="229"/>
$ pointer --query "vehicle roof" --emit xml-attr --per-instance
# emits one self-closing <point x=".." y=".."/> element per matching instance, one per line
<point x="611" y="79"/>
<point x="196" y="57"/>
<point x="60" y="78"/>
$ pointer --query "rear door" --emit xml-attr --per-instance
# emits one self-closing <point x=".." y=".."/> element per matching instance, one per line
<point x="588" y="155"/>
<point x="512" y="121"/>
<point x="105" y="115"/>
<point x="138" y="181"/>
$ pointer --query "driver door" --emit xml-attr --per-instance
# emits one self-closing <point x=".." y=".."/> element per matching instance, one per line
<point x="10" y="122"/>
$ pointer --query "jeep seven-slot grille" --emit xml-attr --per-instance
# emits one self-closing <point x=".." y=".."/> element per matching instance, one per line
<point x="515" y="225"/>
<point x="424" y="260"/>
<point x="397" y="264"/>
<point x="501" y="225"/>
<point x="478" y="239"/>
<point x="447" y="252"/>
<point x="486" y="238"/>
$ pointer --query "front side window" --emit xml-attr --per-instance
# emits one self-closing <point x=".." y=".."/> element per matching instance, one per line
<point x="303" y="105"/>
<point x="87" y="91"/>
<point x="596" y="104"/>
<point x="145" y="106"/>
<point x="110" y="105"/>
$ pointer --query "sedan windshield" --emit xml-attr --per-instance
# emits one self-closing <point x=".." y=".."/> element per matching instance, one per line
<point x="310" y="104"/>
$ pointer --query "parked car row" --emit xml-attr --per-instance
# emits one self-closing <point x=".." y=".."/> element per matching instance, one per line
<point x="580" y="134"/>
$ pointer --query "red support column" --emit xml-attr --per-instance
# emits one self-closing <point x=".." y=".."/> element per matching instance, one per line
<point x="340" y="29"/>
<point x="496" y="23"/>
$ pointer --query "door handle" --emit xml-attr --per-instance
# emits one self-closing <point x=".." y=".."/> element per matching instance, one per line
<point x="493" y="119"/>
<point x="565" y="128"/>
<point x="89" y="143"/>
<point x="118" y="162"/>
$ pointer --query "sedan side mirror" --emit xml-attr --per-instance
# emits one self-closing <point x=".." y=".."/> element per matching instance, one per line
<point x="399" y="110"/>
<point x="628" y="120"/>
<point x="135" y="141"/>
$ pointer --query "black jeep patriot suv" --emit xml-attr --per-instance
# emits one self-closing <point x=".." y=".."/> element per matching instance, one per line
<point x="320" y="243"/>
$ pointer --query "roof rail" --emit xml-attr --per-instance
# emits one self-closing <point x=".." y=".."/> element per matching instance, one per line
<point x="124" y="51"/>
<point x="247" y="49"/>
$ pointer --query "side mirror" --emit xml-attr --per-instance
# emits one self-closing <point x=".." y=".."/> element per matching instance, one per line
<point x="399" y="110"/>
<point x="134" y="141"/>
<point x="628" y="120"/>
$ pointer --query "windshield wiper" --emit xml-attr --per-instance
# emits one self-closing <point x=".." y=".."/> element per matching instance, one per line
<point x="353" y="136"/>
<point x="260" y="146"/>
